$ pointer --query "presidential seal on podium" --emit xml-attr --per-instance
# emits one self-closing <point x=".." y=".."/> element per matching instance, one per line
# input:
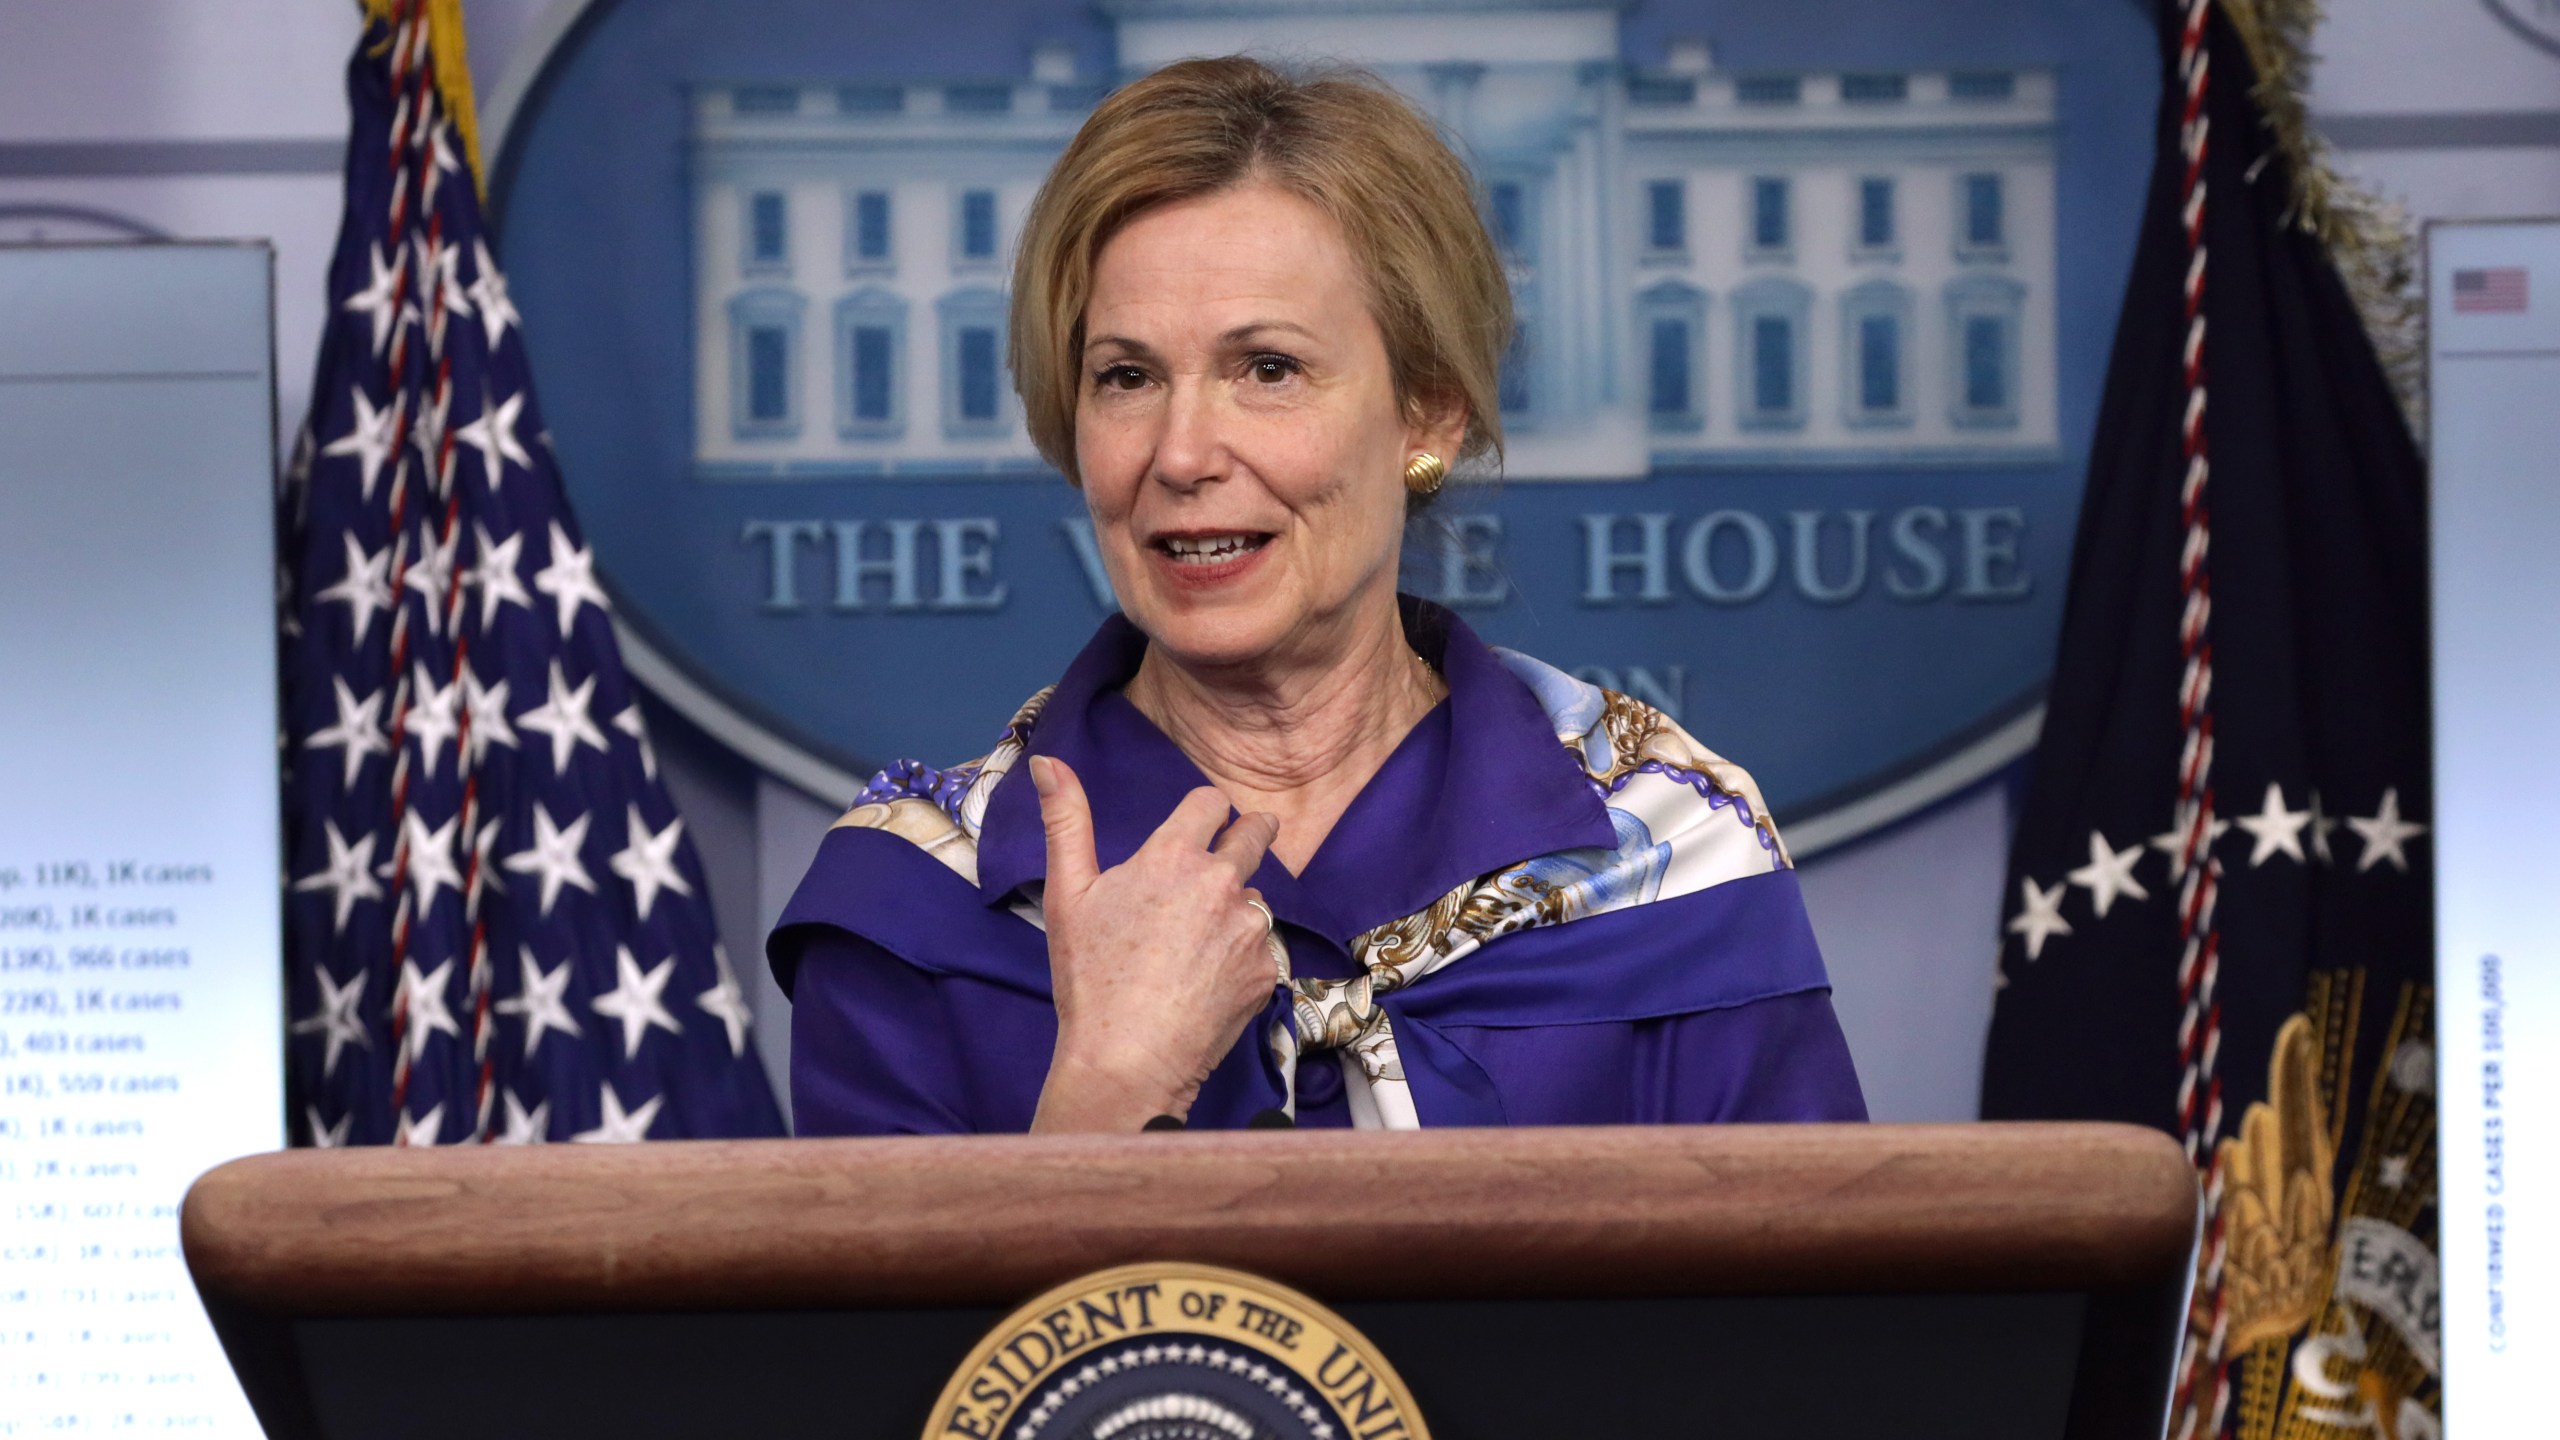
<point x="1173" y="1351"/>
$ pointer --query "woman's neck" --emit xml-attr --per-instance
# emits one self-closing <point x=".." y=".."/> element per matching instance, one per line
<point x="1299" y="740"/>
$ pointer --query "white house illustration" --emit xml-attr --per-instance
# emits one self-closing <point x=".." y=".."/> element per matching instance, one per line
<point x="1712" y="270"/>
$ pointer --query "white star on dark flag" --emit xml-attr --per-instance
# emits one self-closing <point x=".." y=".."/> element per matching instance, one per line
<point x="365" y="588"/>
<point x="433" y="720"/>
<point x="325" y="1136"/>
<point x="630" y="723"/>
<point x="372" y="439"/>
<point x="2323" y="825"/>
<point x="525" y="1127"/>
<point x="2384" y="834"/>
<point x="374" y="300"/>
<point x="489" y="292"/>
<point x="619" y="1127"/>
<point x="436" y="265"/>
<point x="648" y="861"/>
<point x="2172" y="842"/>
<point x="2041" y="918"/>
<point x="727" y="1002"/>
<point x="570" y="579"/>
<point x="421" y="997"/>
<point x="338" y="1021"/>
<point x="348" y="878"/>
<point x="421" y="1129"/>
<point x="493" y="434"/>
<point x="2109" y="874"/>
<point x="542" y="1000"/>
<point x="484" y="865"/>
<point x="2277" y="829"/>
<point x="637" y="1001"/>
<point x="487" y="708"/>
<point x="562" y="715"/>
<point x="431" y="575"/>
<point x="440" y="163"/>
<point x="431" y="863"/>
<point x="494" y="575"/>
<point x="554" y="855"/>
<point x="357" y="734"/>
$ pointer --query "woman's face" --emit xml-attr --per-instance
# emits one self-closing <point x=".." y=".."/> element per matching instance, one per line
<point x="1238" y="432"/>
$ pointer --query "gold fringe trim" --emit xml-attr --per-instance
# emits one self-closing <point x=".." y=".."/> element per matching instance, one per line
<point x="453" y="73"/>
<point x="2373" y="241"/>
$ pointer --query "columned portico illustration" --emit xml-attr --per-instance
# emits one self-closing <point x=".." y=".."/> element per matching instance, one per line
<point x="1712" y="269"/>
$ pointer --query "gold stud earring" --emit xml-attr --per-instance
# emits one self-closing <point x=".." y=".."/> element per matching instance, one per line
<point x="1424" y="473"/>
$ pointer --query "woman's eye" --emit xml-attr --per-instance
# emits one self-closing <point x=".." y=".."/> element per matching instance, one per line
<point x="1272" y="369"/>
<point x="1120" y="377"/>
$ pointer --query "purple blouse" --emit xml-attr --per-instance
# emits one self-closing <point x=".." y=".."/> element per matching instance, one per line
<point x="921" y="1003"/>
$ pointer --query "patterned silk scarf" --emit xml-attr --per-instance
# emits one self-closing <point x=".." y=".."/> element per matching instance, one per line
<point x="1685" y="820"/>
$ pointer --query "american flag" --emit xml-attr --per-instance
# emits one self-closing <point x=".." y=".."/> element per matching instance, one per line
<point x="2494" y="290"/>
<point x="497" y="929"/>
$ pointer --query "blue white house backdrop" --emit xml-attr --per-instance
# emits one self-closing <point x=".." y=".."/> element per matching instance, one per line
<point x="1710" y="268"/>
<point x="1813" y="305"/>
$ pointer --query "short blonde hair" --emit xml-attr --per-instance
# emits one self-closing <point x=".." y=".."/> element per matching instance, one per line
<point x="1339" y="139"/>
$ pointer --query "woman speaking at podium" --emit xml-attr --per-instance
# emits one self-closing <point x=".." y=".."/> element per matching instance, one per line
<point x="1281" y="839"/>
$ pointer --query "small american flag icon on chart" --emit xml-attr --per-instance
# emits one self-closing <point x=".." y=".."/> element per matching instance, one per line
<point x="2497" y="289"/>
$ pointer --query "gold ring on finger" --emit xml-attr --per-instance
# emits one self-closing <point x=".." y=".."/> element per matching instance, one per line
<point x="1271" y="940"/>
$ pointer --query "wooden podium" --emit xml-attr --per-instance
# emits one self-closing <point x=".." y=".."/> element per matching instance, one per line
<point x="1981" y="1281"/>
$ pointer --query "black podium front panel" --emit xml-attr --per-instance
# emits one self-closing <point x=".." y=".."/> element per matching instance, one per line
<point x="1964" y="1367"/>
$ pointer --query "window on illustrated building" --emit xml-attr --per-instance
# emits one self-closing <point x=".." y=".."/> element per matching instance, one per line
<point x="977" y="225"/>
<point x="1875" y="213"/>
<point x="1773" y="381"/>
<point x="1506" y="217"/>
<point x="1672" y="318"/>
<point x="1983" y="229"/>
<point x="978" y="374"/>
<point x="1770" y="232"/>
<point x="1769" y="325"/>
<point x="869" y="230"/>
<point x="1768" y="89"/>
<point x="1986" y="376"/>
<point x="973" y="385"/>
<point x="871" y="330"/>
<point x="1875" y="338"/>
<point x="1666" y="220"/>
<point x="768" y="231"/>
<point x="768" y="373"/>
<point x="764" y="339"/>
<point x="1983" y="316"/>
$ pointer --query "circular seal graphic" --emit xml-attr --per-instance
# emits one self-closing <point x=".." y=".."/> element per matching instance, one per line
<point x="1174" y="1351"/>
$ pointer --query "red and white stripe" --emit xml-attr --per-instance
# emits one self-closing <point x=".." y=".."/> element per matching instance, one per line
<point x="2202" y="1399"/>
<point x="413" y="166"/>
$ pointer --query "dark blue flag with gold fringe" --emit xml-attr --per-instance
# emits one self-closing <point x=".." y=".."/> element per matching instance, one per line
<point x="497" y="929"/>
<point x="2219" y="910"/>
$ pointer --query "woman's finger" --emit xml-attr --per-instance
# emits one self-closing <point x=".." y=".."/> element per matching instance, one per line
<point x="1246" y="841"/>
<point x="1068" y="823"/>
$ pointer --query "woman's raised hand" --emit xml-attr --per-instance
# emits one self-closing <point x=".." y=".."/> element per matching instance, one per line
<point x="1157" y="964"/>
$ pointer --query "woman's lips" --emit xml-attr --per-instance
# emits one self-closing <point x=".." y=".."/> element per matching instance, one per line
<point x="1200" y="560"/>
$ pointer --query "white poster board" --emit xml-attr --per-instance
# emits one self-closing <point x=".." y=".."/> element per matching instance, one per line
<point x="2494" y="383"/>
<point x="140" y="931"/>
